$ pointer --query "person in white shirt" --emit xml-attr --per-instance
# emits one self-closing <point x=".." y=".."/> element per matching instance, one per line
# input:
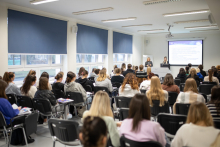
<point x="103" y="81"/>
<point x="129" y="86"/>
<point x="211" y="78"/>
<point x="28" y="88"/>
<point x="199" y="129"/>
<point x="146" y="83"/>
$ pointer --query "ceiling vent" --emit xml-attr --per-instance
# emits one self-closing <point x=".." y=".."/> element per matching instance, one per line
<point x="152" y="2"/>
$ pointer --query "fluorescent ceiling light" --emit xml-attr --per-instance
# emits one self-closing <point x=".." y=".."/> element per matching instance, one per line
<point x="120" y="19"/>
<point x="186" y="13"/>
<point x="191" y="21"/>
<point x="37" y="2"/>
<point x="157" y="30"/>
<point x="201" y="27"/>
<point x="159" y="1"/>
<point x="137" y="25"/>
<point x="93" y="11"/>
<point x="158" y="33"/>
<point x="205" y="30"/>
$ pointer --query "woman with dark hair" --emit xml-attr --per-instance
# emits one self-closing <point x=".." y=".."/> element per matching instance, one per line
<point x="182" y="74"/>
<point x="94" y="132"/>
<point x="123" y="68"/>
<point x="92" y="74"/>
<point x="216" y="73"/>
<point x="129" y="86"/>
<point x="211" y="78"/>
<point x="135" y="69"/>
<point x="169" y="85"/>
<point x="146" y="83"/>
<point x="58" y="85"/>
<point x="85" y="82"/>
<point x="11" y="87"/>
<point x="201" y="70"/>
<point x="80" y="73"/>
<point x="46" y="75"/>
<point x="187" y="70"/>
<point x="117" y="77"/>
<point x="138" y="126"/>
<point x="97" y="71"/>
<point x="214" y="104"/>
<point x="28" y="88"/>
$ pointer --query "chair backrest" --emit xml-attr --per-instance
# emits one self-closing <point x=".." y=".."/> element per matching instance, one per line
<point x="205" y="96"/>
<point x="116" y="84"/>
<point x="64" y="130"/>
<point x="122" y="102"/>
<point x="217" y="124"/>
<point x="88" y="88"/>
<point x="97" y="88"/>
<point x="207" y="82"/>
<point x="143" y="91"/>
<point x="177" y="82"/>
<point x="182" y="85"/>
<point x="205" y="88"/>
<point x="25" y="101"/>
<point x="130" y="143"/>
<point x="2" y="120"/>
<point x="58" y="94"/>
<point x="12" y="98"/>
<point x="124" y="112"/>
<point x="31" y="123"/>
<point x="141" y="73"/>
<point x="172" y="97"/>
<point x="182" y="108"/>
<point x="156" y="75"/>
<point x="75" y="96"/>
<point x="91" y="78"/>
<point x="42" y="105"/>
<point x="171" y="122"/>
<point x="156" y="109"/>
<point x="182" y="80"/>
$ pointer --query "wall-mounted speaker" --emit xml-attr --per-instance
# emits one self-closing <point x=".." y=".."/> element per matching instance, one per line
<point x="146" y="41"/>
<point x="74" y="29"/>
<point x="211" y="19"/>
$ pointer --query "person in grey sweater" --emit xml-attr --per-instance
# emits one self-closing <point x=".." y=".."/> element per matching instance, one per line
<point x="11" y="88"/>
<point x="92" y="74"/>
<point x="103" y="81"/>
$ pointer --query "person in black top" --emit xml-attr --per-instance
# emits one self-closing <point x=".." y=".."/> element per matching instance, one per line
<point x="182" y="75"/>
<point x="193" y="75"/>
<point x="85" y="82"/>
<point x="129" y="70"/>
<point x="117" y="77"/>
<point x="215" y="72"/>
<point x="201" y="70"/>
<point x="148" y="63"/>
<point x="58" y="85"/>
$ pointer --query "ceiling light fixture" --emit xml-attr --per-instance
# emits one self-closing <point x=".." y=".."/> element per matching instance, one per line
<point x="37" y="2"/>
<point x="120" y="19"/>
<point x="156" y="30"/>
<point x="201" y="27"/>
<point x="205" y="30"/>
<point x="93" y="11"/>
<point x="137" y="25"/>
<point x="159" y="1"/>
<point x="186" y="13"/>
<point x="158" y="33"/>
<point x="192" y="21"/>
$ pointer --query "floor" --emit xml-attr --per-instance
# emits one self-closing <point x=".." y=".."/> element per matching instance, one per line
<point x="42" y="137"/>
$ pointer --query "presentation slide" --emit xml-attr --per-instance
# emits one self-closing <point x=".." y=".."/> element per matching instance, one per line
<point x="184" y="52"/>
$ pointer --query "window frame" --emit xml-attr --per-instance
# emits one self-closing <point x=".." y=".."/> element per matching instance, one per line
<point x="129" y="59"/>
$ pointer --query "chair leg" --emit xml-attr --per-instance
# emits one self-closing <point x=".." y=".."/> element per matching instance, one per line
<point x="54" y="142"/>
<point x="75" y="110"/>
<point x="25" y="137"/>
<point x="5" y="136"/>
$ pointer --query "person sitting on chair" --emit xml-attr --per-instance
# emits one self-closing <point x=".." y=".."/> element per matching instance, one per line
<point x="129" y="70"/>
<point x="148" y="63"/>
<point x="165" y="60"/>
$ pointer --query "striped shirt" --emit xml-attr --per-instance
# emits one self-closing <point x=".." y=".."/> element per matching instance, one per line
<point x="213" y="111"/>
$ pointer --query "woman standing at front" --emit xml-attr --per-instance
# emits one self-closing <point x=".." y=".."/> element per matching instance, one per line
<point x="148" y="63"/>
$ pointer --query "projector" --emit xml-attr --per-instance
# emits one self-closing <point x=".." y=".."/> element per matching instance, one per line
<point x="169" y="35"/>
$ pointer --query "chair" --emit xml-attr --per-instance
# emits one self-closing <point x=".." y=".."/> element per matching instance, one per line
<point x="162" y="79"/>
<point x="25" y="101"/>
<point x="123" y="113"/>
<point x="143" y="91"/>
<point x="205" y="88"/>
<point x="171" y="123"/>
<point x="58" y="94"/>
<point x="31" y="122"/>
<point x="182" y="85"/>
<point x="177" y="82"/>
<point x="122" y="102"/>
<point x="182" y="80"/>
<point x="172" y="97"/>
<point x="205" y="96"/>
<point x="97" y="88"/>
<point x="206" y="82"/>
<point x="12" y="98"/>
<point x="91" y="78"/>
<point x="88" y="88"/>
<point x="156" y="109"/>
<point x="116" y="84"/>
<point x="182" y="108"/>
<point x="217" y="124"/>
<point x="156" y="75"/>
<point x="141" y="74"/>
<point x="129" y="143"/>
<point x="64" y="131"/>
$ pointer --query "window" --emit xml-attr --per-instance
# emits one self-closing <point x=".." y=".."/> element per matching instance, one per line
<point x="37" y="59"/>
<point x="118" y="59"/>
<point x="20" y="75"/>
<point x="78" y="58"/>
<point x="52" y="72"/>
<point x="89" y="58"/>
<point x="56" y="59"/>
<point x="14" y="59"/>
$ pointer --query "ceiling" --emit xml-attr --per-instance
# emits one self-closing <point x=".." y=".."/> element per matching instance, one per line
<point x="151" y="14"/>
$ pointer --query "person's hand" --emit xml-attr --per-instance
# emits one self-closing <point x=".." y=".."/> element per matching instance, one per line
<point x="119" y="124"/>
<point x="19" y="108"/>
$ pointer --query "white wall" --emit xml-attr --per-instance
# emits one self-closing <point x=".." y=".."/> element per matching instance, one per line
<point x="158" y="47"/>
<point x="138" y="45"/>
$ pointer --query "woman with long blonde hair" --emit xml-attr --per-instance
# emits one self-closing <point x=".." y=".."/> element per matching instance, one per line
<point x="103" y="81"/>
<point x="198" y="130"/>
<point x="101" y="107"/>
<point x="148" y="63"/>
<point x="156" y="92"/>
<point x="189" y="95"/>
<point x="211" y="78"/>
<point x="193" y="74"/>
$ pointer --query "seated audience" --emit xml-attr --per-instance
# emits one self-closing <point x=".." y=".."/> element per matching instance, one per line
<point x="113" y="71"/>
<point x="138" y="126"/>
<point x="136" y="69"/>
<point x="129" y="70"/>
<point x="130" y="86"/>
<point x="187" y="70"/>
<point x="193" y="75"/>
<point x="101" y="107"/>
<point x="97" y="71"/>
<point x="79" y="75"/>
<point x="94" y="132"/>
<point x="189" y="65"/>
<point x="58" y="85"/>
<point x="117" y="77"/>
<point x="62" y="73"/>
<point x="211" y="78"/>
<point x="199" y="74"/>
<point x="46" y="75"/>
<point x="201" y="70"/>
<point x="11" y="87"/>
<point x="103" y="81"/>
<point x="199" y="130"/>
<point x="218" y="68"/>
<point x="182" y="75"/>
<point x="123" y="68"/>
<point x="92" y="74"/>
<point x="156" y="92"/>
<point x="214" y="104"/>
<point x="31" y="73"/>
<point x="216" y="73"/>
<point x="106" y="73"/>
<point x="146" y="83"/>
<point x="86" y="84"/>
<point x="141" y="67"/>
<point x="169" y="85"/>
<point x="189" y="95"/>
<point x="28" y="88"/>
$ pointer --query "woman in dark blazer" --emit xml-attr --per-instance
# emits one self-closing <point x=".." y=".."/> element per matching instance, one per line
<point x="148" y="63"/>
